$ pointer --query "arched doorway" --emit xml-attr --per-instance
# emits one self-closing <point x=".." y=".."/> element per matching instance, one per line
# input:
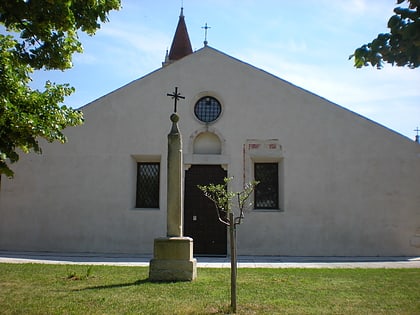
<point x="200" y="216"/>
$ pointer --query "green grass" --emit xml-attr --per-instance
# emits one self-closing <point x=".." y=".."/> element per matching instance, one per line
<point x="68" y="289"/>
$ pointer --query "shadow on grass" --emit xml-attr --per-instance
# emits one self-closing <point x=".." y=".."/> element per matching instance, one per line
<point x="123" y="285"/>
<point x="118" y="285"/>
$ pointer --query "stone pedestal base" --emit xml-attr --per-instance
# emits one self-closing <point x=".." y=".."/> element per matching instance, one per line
<point x="173" y="260"/>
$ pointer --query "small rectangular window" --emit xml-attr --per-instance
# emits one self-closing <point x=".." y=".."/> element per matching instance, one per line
<point x="148" y="182"/>
<point x="266" y="194"/>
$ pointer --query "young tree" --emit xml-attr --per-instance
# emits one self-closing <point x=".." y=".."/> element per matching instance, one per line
<point x="225" y="202"/>
<point x="401" y="46"/>
<point x="42" y="35"/>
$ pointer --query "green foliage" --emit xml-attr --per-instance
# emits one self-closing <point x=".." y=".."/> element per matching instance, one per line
<point x="48" y="29"/>
<point x="26" y="114"/>
<point x="401" y="46"/>
<point x="223" y="199"/>
<point x="73" y="275"/>
<point x="42" y="35"/>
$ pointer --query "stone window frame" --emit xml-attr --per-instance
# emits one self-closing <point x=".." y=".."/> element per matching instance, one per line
<point x="264" y="151"/>
<point x="201" y="95"/>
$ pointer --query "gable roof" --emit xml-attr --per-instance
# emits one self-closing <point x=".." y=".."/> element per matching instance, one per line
<point x="212" y="53"/>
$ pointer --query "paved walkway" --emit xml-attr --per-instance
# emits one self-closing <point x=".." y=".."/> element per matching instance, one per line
<point x="213" y="262"/>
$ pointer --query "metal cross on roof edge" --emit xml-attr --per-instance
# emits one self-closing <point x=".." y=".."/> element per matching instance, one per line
<point x="175" y="96"/>
<point x="205" y="34"/>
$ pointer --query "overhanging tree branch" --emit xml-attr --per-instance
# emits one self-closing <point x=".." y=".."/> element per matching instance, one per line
<point x="400" y="47"/>
<point x="47" y="39"/>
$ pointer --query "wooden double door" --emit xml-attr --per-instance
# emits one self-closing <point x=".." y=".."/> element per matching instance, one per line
<point x="200" y="216"/>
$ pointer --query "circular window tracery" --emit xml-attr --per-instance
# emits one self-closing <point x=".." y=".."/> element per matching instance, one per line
<point x="207" y="109"/>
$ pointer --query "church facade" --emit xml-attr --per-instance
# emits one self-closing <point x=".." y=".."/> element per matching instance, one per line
<point x="332" y="183"/>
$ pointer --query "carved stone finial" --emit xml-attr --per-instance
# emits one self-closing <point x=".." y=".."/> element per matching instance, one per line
<point x="174" y="118"/>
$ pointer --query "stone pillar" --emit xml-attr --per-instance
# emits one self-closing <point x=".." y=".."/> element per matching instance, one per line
<point x="173" y="255"/>
<point x="175" y="182"/>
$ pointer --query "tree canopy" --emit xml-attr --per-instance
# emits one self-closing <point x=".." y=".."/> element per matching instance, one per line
<point x="42" y="34"/>
<point x="401" y="46"/>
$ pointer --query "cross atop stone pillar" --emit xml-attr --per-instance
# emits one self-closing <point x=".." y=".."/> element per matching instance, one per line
<point x="173" y="255"/>
<point x="175" y="202"/>
<point x="175" y="96"/>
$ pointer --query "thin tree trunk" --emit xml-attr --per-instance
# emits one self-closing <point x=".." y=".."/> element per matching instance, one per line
<point x="233" y="263"/>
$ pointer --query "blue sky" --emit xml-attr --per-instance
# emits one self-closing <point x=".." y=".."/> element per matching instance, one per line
<point x="305" y="42"/>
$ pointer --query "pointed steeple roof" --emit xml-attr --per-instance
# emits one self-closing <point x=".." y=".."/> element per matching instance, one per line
<point x="181" y="45"/>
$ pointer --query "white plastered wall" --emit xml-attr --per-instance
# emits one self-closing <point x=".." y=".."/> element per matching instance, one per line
<point x="350" y="186"/>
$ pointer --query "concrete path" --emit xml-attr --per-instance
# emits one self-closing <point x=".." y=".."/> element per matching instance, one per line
<point x="213" y="262"/>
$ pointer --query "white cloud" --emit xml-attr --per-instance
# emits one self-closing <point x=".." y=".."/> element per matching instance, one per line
<point x="369" y="8"/>
<point x="85" y="58"/>
<point x="353" y="6"/>
<point x="146" y="40"/>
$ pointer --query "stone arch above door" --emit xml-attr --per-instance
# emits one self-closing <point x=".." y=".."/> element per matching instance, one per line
<point x="205" y="146"/>
<point x="207" y="143"/>
<point x="206" y="138"/>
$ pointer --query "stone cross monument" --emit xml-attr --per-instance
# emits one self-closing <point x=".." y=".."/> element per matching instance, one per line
<point x="173" y="255"/>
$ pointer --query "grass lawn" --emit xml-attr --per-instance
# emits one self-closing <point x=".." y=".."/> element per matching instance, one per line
<point x="76" y="289"/>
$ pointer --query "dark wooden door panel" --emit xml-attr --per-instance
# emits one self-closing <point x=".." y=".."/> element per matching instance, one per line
<point x="200" y="217"/>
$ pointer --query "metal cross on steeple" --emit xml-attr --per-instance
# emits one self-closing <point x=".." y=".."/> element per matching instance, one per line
<point x="417" y="130"/>
<point x="176" y="96"/>
<point x="205" y="27"/>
